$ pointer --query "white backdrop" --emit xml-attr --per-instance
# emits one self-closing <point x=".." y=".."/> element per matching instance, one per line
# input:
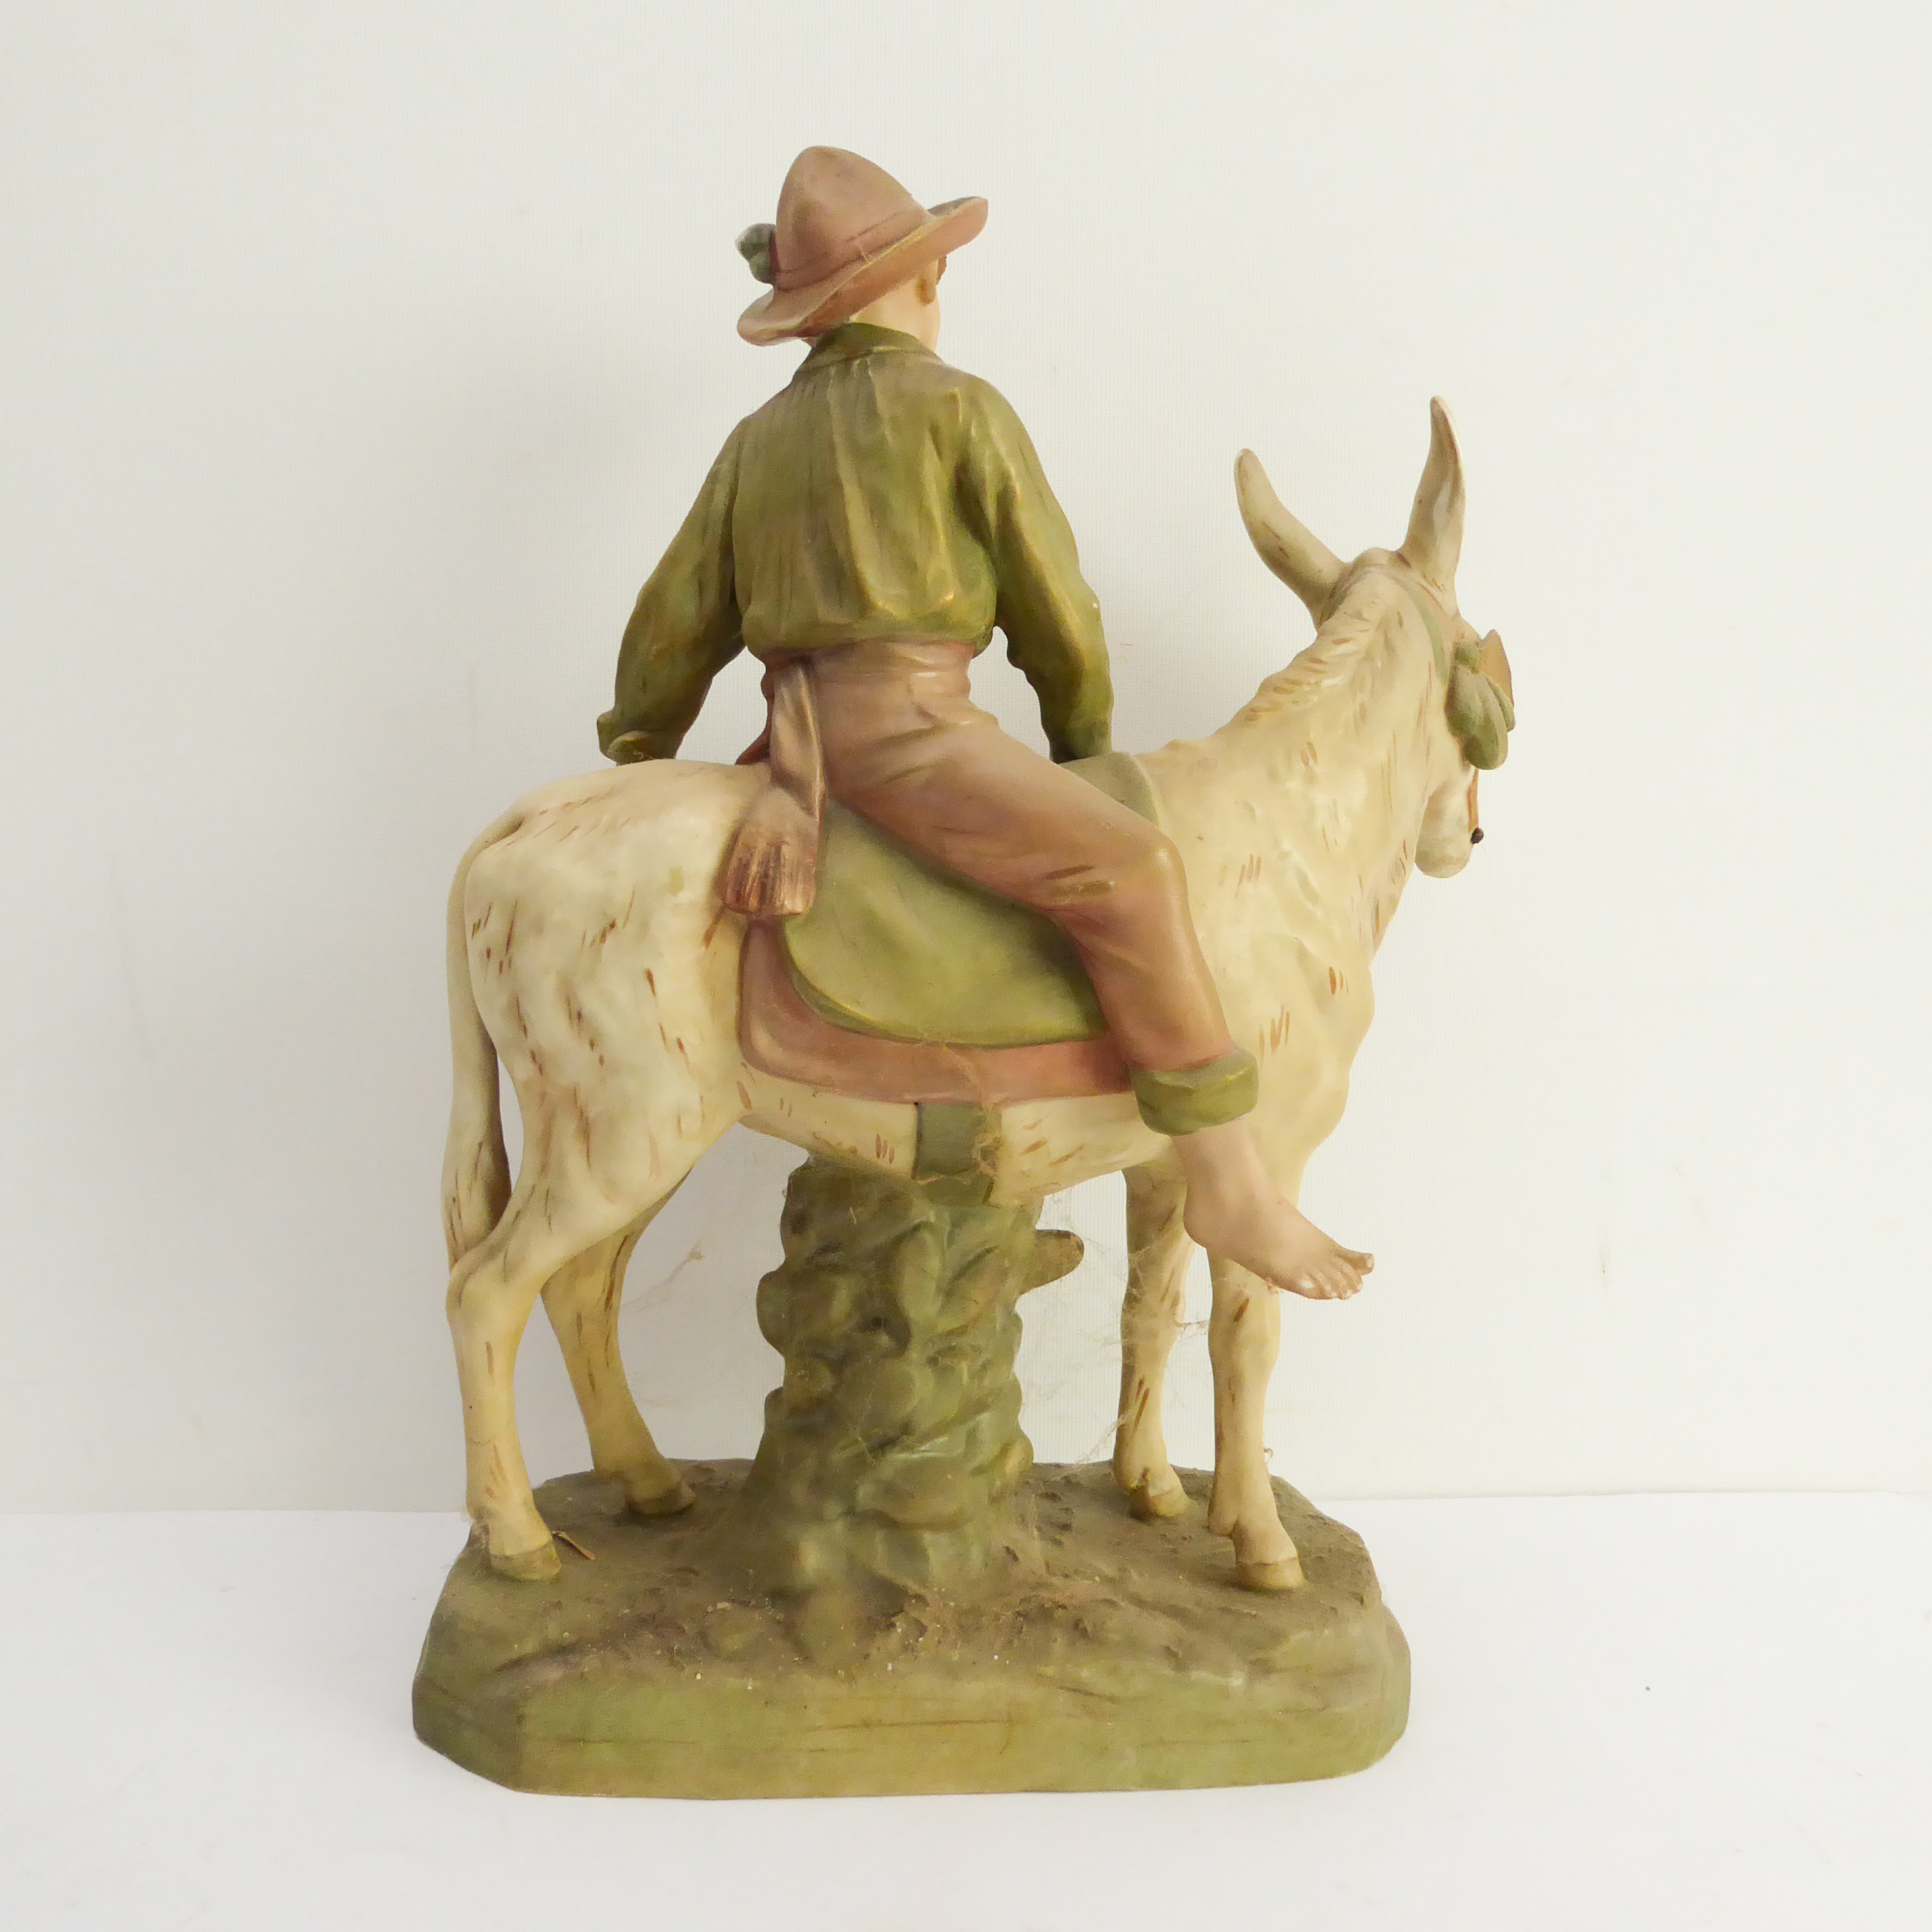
<point x="356" y="363"/>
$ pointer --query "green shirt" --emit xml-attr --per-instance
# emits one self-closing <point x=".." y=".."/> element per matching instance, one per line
<point x="879" y="494"/>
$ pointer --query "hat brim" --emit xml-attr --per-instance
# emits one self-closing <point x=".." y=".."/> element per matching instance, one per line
<point x="782" y="313"/>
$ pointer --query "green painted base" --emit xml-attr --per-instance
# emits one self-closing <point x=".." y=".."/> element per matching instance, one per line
<point x="1129" y="1661"/>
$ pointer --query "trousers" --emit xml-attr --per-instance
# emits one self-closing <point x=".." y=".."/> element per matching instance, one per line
<point x="899" y="741"/>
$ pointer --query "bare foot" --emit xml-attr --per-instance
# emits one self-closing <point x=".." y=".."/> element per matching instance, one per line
<point x="1280" y="1244"/>
<point x="1234" y="1211"/>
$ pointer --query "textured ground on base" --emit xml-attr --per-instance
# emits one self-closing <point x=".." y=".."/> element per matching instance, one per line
<point x="1128" y="1661"/>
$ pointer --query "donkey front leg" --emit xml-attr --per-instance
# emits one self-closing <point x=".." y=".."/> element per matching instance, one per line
<point x="1158" y="1252"/>
<point x="582" y="1299"/>
<point x="1243" y="1338"/>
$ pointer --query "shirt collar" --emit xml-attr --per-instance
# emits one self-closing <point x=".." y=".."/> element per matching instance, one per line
<point x="851" y="339"/>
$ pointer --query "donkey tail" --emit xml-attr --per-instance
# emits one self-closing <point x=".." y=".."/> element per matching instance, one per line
<point x="475" y="1168"/>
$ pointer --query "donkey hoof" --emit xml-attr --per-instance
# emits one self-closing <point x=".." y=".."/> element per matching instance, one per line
<point x="661" y="1502"/>
<point x="1282" y="1573"/>
<point x="1154" y="1502"/>
<point x="528" y="1566"/>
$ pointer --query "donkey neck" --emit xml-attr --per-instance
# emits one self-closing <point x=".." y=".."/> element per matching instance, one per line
<point x="1339" y="748"/>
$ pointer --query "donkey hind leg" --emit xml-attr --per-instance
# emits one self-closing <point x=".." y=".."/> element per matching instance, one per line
<point x="582" y="1299"/>
<point x="1243" y="1338"/>
<point x="492" y="1291"/>
<point x="1158" y="1253"/>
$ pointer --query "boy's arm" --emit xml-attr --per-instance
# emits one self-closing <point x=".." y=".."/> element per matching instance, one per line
<point x="685" y="630"/>
<point x="1050" y="619"/>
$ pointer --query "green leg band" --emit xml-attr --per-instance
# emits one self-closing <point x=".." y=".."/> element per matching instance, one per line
<point x="1198" y="1097"/>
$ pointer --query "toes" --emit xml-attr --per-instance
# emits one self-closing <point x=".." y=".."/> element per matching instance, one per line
<point x="1342" y="1276"/>
<point x="1329" y="1283"/>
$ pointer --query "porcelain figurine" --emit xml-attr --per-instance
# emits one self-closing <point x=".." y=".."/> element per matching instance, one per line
<point x="961" y="976"/>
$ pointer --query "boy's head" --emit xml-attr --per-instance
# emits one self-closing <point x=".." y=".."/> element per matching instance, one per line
<point x="849" y="239"/>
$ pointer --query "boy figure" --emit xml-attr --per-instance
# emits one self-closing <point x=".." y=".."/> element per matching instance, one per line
<point x="863" y="534"/>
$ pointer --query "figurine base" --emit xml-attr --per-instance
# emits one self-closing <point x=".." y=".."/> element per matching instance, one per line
<point x="1130" y="1661"/>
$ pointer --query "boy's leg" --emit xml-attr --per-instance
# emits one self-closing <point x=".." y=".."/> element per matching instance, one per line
<point x="971" y="798"/>
<point x="987" y="807"/>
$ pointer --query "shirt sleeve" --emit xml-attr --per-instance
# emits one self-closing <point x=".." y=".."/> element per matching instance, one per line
<point x="685" y="629"/>
<point x="1050" y="619"/>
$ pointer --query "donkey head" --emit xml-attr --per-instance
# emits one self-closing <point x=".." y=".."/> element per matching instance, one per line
<point x="1478" y="706"/>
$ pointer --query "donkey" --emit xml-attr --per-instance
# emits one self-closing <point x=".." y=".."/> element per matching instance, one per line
<point x="588" y="950"/>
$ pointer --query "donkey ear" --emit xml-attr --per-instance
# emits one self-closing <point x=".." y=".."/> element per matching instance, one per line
<point x="1435" y="539"/>
<point x="1299" y="558"/>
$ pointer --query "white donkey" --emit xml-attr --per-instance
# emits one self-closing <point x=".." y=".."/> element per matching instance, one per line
<point x="588" y="949"/>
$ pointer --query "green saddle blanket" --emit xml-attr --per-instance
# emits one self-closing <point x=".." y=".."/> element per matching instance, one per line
<point x="896" y="946"/>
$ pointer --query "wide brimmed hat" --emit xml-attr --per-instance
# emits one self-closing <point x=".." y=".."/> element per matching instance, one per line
<point x="846" y="233"/>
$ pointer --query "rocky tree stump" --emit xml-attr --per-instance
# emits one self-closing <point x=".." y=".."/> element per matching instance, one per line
<point x="892" y="1454"/>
